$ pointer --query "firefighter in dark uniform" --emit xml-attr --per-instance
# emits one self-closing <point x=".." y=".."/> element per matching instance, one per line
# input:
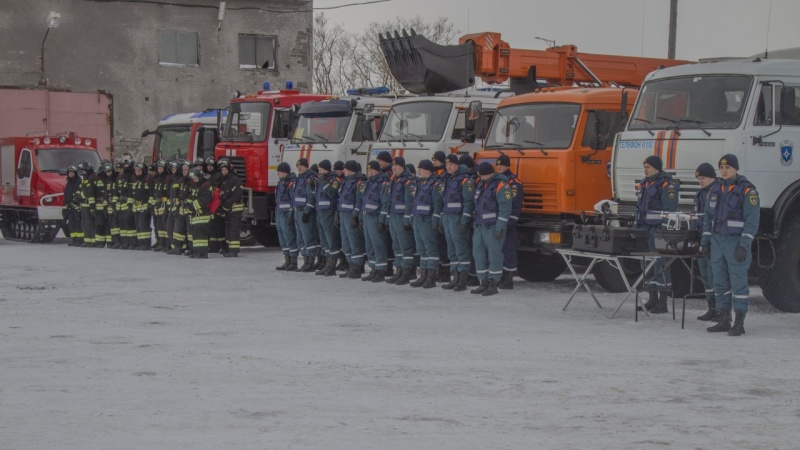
<point x="102" y="192"/>
<point x="511" y="243"/>
<point x="88" y="210"/>
<point x="730" y="225"/>
<point x="161" y="202"/>
<point x="706" y="177"/>
<point x="151" y="201"/>
<point x="655" y="194"/>
<point x="216" y="233"/>
<point x="349" y="211"/>
<point x="492" y="210"/>
<point x="400" y="205"/>
<point x="327" y="201"/>
<point x="127" y="220"/>
<point x="439" y="172"/>
<point x="305" y="217"/>
<point x="72" y="207"/>
<point x="201" y="194"/>
<point x="284" y="217"/>
<point x="472" y="275"/>
<point x="458" y="204"/>
<point x="173" y="190"/>
<point x="179" y="194"/>
<point x="113" y="208"/>
<point x="140" y="195"/>
<point x="231" y="206"/>
<point x="425" y="218"/>
<point x="374" y="201"/>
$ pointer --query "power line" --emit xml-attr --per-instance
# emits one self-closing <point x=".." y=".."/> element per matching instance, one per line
<point x="240" y="8"/>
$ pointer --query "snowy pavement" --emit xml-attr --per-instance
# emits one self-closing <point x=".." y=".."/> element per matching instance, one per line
<point x="110" y="349"/>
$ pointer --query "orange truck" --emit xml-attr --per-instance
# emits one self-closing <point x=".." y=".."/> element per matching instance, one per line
<point x="558" y="130"/>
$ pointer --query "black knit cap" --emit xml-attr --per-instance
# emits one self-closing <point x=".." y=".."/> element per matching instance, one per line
<point x="352" y="166"/>
<point x="485" y="168"/>
<point x="374" y="165"/>
<point x="467" y="161"/>
<point x="705" y="170"/>
<point x="729" y="160"/>
<point x="302" y="162"/>
<point x="411" y="168"/>
<point x="385" y="156"/>
<point x="503" y="160"/>
<point x="400" y="161"/>
<point x="439" y="156"/>
<point x="425" y="164"/>
<point x="314" y="168"/>
<point x="338" y="165"/>
<point x="452" y="158"/>
<point x="284" y="167"/>
<point x="325" y="164"/>
<point x="655" y="162"/>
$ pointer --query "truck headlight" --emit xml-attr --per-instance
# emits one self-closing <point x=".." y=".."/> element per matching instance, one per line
<point x="545" y="237"/>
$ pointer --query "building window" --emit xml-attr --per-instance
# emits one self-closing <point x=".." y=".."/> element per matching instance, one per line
<point x="177" y="48"/>
<point x="257" y="52"/>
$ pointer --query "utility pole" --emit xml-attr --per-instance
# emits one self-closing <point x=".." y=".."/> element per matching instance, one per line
<point x="673" y="25"/>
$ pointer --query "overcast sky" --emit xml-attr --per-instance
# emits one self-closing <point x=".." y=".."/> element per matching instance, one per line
<point x="706" y="28"/>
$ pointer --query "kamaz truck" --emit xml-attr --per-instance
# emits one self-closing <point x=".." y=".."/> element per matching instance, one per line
<point x="187" y="135"/>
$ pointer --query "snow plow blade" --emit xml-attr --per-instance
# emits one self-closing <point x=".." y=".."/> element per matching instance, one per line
<point x="423" y="67"/>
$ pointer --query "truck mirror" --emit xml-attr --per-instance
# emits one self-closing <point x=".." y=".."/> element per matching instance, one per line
<point x="295" y="108"/>
<point x="602" y="125"/>
<point x="472" y="115"/>
<point x="146" y="133"/>
<point x="208" y="143"/>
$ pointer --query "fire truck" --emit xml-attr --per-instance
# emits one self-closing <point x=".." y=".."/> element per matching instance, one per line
<point x="187" y="135"/>
<point x="32" y="178"/>
<point x="696" y="113"/>
<point x="255" y="134"/>
<point x="556" y="131"/>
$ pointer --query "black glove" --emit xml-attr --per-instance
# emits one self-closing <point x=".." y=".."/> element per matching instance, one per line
<point x="304" y="218"/>
<point x="291" y="219"/>
<point x="353" y="222"/>
<point x="381" y="227"/>
<point x="435" y="226"/>
<point x="463" y="228"/>
<point x="498" y="233"/>
<point x="441" y="228"/>
<point x="741" y="254"/>
<point x="407" y="226"/>
<point x="707" y="252"/>
<point x="336" y="220"/>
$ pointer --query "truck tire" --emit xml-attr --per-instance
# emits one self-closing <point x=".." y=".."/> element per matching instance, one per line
<point x="781" y="283"/>
<point x="265" y="234"/>
<point x="535" y="266"/>
<point x="246" y="237"/>
<point x="609" y="278"/>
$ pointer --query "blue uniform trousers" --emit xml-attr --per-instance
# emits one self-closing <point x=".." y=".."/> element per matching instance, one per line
<point x="444" y="258"/>
<point x="330" y="238"/>
<point x="307" y="237"/>
<point x="730" y="276"/>
<point x="375" y="243"/>
<point x="352" y="239"/>
<point x="402" y="242"/>
<point x="656" y="279"/>
<point x="488" y="252"/>
<point x="458" y="249"/>
<point x="287" y="235"/>
<point x="427" y="240"/>
<point x="510" y="249"/>
<point x="707" y="275"/>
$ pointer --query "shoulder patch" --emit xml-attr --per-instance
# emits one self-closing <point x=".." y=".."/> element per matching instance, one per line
<point x="754" y="198"/>
<point x="469" y="187"/>
<point x="514" y="192"/>
<point x="361" y="187"/>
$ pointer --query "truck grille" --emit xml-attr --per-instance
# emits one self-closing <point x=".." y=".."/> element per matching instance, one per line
<point x="539" y="198"/>
<point x="238" y="167"/>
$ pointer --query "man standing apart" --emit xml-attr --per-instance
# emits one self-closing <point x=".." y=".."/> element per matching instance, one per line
<point x="492" y="210"/>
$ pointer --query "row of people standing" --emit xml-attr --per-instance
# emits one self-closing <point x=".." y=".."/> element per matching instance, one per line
<point x="442" y="217"/>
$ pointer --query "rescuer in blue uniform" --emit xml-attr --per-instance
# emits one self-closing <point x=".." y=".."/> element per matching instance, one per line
<point x="375" y="214"/>
<point x="443" y="275"/>
<point x="472" y="275"/>
<point x="338" y="171"/>
<point x="511" y="243"/>
<point x="384" y="159"/>
<point x="402" y="237"/>
<point x="458" y="203"/>
<point x="349" y="211"/>
<point x="425" y="217"/>
<point x="706" y="177"/>
<point x="305" y="217"/>
<point x="655" y="194"/>
<point x="731" y="222"/>
<point x="284" y="217"/>
<point x="327" y="201"/>
<point x="492" y="210"/>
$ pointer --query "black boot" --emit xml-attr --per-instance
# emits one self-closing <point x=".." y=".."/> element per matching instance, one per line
<point x="461" y="282"/>
<point x="472" y="281"/>
<point x="443" y="275"/>
<point x="347" y="272"/>
<point x="308" y="264"/>
<point x="322" y="268"/>
<point x="358" y="270"/>
<point x="371" y="275"/>
<point x="380" y="276"/>
<point x="342" y="263"/>
<point x="398" y="272"/>
<point x="480" y="289"/>
<point x="430" y="282"/>
<point x="413" y="274"/>
<point x="330" y="269"/>
<point x="292" y="264"/>
<point x="287" y="261"/>
<point x="711" y="313"/>
<point x="507" y="281"/>
<point x="453" y="282"/>
<point x="738" y="325"/>
<point x="321" y="263"/>
<point x="661" y="305"/>
<point x="491" y="288"/>
<point x="652" y="301"/>
<point x="423" y="275"/>
<point x="405" y="277"/>
<point x="724" y="322"/>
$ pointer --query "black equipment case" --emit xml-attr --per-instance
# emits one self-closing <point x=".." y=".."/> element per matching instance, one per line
<point x="677" y="242"/>
<point x="609" y="240"/>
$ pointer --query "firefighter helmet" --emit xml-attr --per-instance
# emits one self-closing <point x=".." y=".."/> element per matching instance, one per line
<point x="72" y="169"/>
<point x="161" y="163"/>
<point x="211" y="161"/>
<point x="139" y="166"/>
<point x="85" y="165"/>
<point x="173" y="165"/>
<point x="120" y="165"/>
<point x="107" y="167"/>
<point x="224" y="163"/>
<point x="196" y="173"/>
<point x="198" y="162"/>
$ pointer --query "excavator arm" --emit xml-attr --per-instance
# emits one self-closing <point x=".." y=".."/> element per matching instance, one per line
<point x="423" y="67"/>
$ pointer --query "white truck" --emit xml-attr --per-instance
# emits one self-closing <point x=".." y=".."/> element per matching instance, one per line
<point x="187" y="135"/>
<point x="696" y="113"/>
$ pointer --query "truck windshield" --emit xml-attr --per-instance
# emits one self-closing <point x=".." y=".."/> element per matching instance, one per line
<point x="57" y="160"/>
<point x="535" y="125"/>
<point x="321" y="129"/>
<point x="699" y="102"/>
<point x="173" y="142"/>
<point x="247" y="122"/>
<point x="422" y="121"/>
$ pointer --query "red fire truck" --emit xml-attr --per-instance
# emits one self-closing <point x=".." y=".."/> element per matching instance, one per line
<point x="32" y="179"/>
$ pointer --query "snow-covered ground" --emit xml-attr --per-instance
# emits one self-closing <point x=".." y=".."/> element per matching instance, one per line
<point x="110" y="349"/>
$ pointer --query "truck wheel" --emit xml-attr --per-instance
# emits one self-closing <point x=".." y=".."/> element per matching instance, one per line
<point x="535" y="266"/>
<point x="781" y="283"/>
<point x="265" y="234"/>
<point x="609" y="278"/>
<point x="246" y="237"/>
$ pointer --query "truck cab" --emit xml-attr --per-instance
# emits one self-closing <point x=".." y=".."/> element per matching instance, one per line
<point x="187" y="135"/>
<point x="32" y="177"/>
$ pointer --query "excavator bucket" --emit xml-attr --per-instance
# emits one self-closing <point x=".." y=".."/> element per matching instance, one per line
<point x="423" y="67"/>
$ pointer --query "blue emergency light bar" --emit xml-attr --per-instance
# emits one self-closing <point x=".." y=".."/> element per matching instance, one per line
<point x="266" y="86"/>
<point x="289" y="85"/>
<point x="378" y="90"/>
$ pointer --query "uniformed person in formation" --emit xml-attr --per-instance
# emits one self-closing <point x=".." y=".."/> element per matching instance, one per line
<point x="180" y="197"/>
<point x="402" y="236"/>
<point x="492" y="210"/>
<point x="511" y="243"/>
<point x="472" y="275"/>
<point x="216" y="228"/>
<point x="127" y="220"/>
<point x="656" y="193"/>
<point x="72" y="207"/>
<point x="113" y="207"/>
<point x="731" y="222"/>
<point x="102" y="192"/>
<point x="343" y="264"/>
<point x="706" y="177"/>
<point x="349" y="211"/>
<point x="458" y="204"/>
<point x="374" y="201"/>
<point x="140" y="196"/>
<point x="88" y="210"/>
<point x="284" y="217"/>
<point x="173" y="193"/>
<point x="384" y="159"/>
<point x="231" y="207"/>
<point x="426" y="215"/>
<point x="327" y="203"/>
<point x="200" y="196"/>
<point x="443" y="275"/>
<point x="305" y="217"/>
